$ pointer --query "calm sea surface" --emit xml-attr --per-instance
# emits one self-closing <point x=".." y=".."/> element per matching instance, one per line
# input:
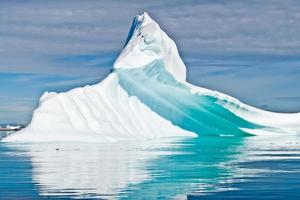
<point x="201" y="168"/>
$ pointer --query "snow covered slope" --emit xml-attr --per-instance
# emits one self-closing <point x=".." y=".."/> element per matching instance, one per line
<point x="147" y="96"/>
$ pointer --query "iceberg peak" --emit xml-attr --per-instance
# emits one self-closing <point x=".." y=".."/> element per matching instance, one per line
<point x="147" y="43"/>
<point x="145" y="18"/>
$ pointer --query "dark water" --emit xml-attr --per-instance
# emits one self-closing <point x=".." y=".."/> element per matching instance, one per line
<point x="201" y="168"/>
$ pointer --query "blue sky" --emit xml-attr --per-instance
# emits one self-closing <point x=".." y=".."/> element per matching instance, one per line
<point x="248" y="49"/>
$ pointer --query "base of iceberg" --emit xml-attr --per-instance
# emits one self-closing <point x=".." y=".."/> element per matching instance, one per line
<point x="147" y="96"/>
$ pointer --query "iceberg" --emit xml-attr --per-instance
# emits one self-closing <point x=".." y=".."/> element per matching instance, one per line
<point x="147" y="96"/>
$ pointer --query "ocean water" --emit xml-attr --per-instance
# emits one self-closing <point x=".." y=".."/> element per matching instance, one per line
<point x="200" y="168"/>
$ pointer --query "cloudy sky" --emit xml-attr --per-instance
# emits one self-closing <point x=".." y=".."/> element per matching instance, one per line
<point x="248" y="49"/>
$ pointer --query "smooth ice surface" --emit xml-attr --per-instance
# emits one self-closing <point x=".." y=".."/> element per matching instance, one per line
<point x="147" y="96"/>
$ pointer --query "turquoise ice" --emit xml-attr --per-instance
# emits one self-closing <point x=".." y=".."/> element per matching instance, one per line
<point x="201" y="114"/>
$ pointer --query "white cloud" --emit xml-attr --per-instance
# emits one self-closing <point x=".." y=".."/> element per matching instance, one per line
<point x="72" y="82"/>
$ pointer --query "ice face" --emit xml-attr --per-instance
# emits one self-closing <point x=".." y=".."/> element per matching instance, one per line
<point x="173" y="100"/>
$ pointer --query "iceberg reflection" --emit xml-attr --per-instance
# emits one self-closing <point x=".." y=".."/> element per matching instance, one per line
<point x="156" y="169"/>
<point x="160" y="169"/>
<point x="92" y="170"/>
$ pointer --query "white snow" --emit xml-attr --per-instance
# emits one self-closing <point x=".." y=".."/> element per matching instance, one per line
<point x="98" y="113"/>
<point x="149" y="43"/>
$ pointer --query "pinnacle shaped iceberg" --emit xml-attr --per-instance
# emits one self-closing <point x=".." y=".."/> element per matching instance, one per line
<point x="147" y="43"/>
<point x="147" y="96"/>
